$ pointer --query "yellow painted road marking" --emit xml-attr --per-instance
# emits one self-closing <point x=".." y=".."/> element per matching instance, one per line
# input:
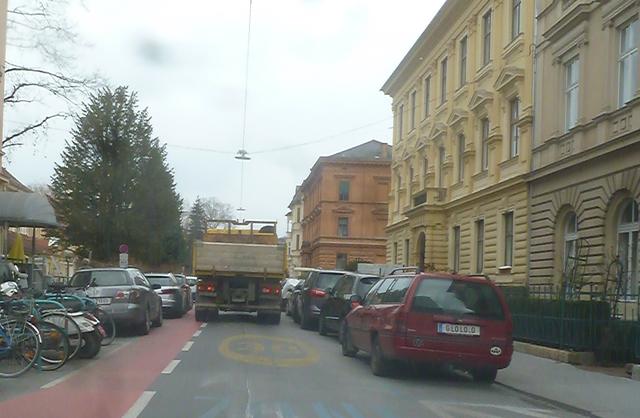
<point x="268" y="351"/>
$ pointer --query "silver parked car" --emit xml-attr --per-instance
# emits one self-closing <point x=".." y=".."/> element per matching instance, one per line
<point x="125" y="293"/>
<point x="192" y="281"/>
<point x="174" y="300"/>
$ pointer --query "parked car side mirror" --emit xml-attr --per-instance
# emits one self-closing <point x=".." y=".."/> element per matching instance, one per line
<point x="156" y="286"/>
<point x="355" y="300"/>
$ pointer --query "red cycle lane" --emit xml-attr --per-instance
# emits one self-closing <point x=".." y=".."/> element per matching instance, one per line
<point x="110" y="386"/>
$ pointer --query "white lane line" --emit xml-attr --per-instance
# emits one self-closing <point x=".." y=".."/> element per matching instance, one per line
<point x="197" y="333"/>
<point x="73" y="373"/>
<point x="59" y="380"/>
<point x="204" y="325"/>
<point x="139" y="406"/>
<point x="187" y="346"/>
<point x="172" y="365"/>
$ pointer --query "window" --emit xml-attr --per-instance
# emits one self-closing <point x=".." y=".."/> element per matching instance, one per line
<point x="406" y="252"/>
<point x="395" y="253"/>
<point x="297" y="242"/>
<point x="400" y="121"/>
<point x="443" y="81"/>
<point x="456" y="248"/>
<point x="341" y="261"/>
<point x="441" y="157"/>
<point x="343" y="227"/>
<point x="572" y="76"/>
<point x="397" y="290"/>
<point x="425" y="168"/>
<point x="485" y="144"/>
<point x="516" y="6"/>
<point x="461" y="158"/>
<point x="376" y="295"/>
<point x="344" y="285"/>
<point x="508" y="238"/>
<point x="570" y="240"/>
<point x="479" y="245"/>
<point x="463" y="61"/>
<point x="427" y="95"/>
<point x="628" y="62"/>
<point x="486" y="38"/>
<point x="297" y="214"/>
<point x="365" y="284"/>
<point x="100" y="278"/>
<point x="628" y="230"/>
<point x="413" y="110"/>
<point x="514" y="132"/>
<point x="343" y="190"/>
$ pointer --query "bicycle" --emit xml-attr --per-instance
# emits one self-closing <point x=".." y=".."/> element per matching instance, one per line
<point x="19" y="346"/>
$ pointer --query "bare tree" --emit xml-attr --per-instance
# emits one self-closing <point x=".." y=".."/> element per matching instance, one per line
<point x="43" y="81"/>
<point x="215" y="209"/>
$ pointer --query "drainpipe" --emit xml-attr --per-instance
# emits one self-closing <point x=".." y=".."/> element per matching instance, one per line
<point x="533" y="134"/>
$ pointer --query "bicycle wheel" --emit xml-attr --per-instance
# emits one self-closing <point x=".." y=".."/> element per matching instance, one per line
<point x="72" y="329"/>
<point x="108" y="324"/>
<point x="21" y="351"/>
<point x="55" y="347"/>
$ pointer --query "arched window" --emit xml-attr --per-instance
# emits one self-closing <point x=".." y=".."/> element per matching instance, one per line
<point x="628" y="230"/>
<point x="570" y="240"/>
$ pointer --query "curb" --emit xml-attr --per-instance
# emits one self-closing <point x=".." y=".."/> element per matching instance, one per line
<point x="582" y="358"/>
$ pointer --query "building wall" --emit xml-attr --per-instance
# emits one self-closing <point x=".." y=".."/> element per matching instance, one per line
<point x="295" y="237"/>
<point x="366" y="211"/>
<point x="428" y="193"/>
<point x="592" y="167"/>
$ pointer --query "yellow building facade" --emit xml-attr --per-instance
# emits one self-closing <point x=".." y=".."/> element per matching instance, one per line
<point x="462" y="104"/>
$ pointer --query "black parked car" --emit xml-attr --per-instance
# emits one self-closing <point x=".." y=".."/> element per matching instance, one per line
<point x="338" y="303"/>
<point x="311" y="295"/>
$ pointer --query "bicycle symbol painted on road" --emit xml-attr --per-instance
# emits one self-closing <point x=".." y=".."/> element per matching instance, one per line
<point x="268" y="351"/>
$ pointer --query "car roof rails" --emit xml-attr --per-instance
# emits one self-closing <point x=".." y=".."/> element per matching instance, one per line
<point x="401" y="270"/>
<point x="484" y="276"/>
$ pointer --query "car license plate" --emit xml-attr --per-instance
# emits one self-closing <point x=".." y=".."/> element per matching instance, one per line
<point x="103" y="301"/>
<point x="458" y="329"/>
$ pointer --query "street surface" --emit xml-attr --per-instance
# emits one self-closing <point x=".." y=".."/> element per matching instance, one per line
<point x="237" y="368"/>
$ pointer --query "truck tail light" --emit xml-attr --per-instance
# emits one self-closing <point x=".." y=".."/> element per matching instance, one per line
<point x="206" y="287"/>
<point x="317" y="293"/>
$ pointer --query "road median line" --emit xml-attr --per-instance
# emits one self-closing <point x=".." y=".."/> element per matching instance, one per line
<point x="197" y="333"/>
<point x="187" y="346"/>
<point x="140" y="404"/>
<point x="172" y="365"/>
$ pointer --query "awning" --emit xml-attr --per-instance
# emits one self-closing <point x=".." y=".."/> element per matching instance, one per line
<point x="26" y="209"/>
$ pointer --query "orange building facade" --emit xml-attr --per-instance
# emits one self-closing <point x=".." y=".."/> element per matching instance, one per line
<point x="345" y="207"/>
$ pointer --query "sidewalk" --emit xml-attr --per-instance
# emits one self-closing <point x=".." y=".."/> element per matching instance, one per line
<point x="602" y="395"/>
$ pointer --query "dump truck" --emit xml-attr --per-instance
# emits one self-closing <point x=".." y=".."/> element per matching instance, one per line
<point x="239" y="266"/>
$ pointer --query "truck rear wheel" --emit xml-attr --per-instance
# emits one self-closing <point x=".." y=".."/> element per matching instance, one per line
<point x="275" y="319"/>
<point x="201" y="315"/>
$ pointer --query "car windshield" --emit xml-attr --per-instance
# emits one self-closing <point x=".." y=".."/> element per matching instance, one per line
<point x="365" y="284"/>
<point x="99" y="278"/>
<point x="326" y="280"/>
<point x="457" y="297"/>
<point x="161" y="280"/>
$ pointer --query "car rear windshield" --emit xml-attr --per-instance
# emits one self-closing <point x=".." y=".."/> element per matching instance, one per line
<point x="326" y="280"/>
<point x="161" y="280"/>
<point x="100" y="278"/>
<point x="192" y="282"/>
<point x="457" y="297"/>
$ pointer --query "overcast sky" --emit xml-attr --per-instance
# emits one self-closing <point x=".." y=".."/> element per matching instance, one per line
<point x="316" y="68"/>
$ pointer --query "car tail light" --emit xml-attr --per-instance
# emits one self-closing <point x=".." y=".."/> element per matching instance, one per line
<point x="121" y="295"/>
<point x="317" y="293"/>
<point x="206" y="287"/>
<point x="400" y="322"/>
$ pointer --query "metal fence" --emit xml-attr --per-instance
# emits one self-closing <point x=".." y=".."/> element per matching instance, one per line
<point x="589" y="319"/>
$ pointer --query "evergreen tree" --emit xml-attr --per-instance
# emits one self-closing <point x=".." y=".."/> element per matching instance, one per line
<point x="197" y="221"/>
<point x="113" y="185"/>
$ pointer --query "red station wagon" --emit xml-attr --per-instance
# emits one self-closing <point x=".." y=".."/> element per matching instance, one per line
<point x="435" y="318"/>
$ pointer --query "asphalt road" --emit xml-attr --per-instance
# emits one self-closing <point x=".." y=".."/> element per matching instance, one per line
<point x="237" y="368"/>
